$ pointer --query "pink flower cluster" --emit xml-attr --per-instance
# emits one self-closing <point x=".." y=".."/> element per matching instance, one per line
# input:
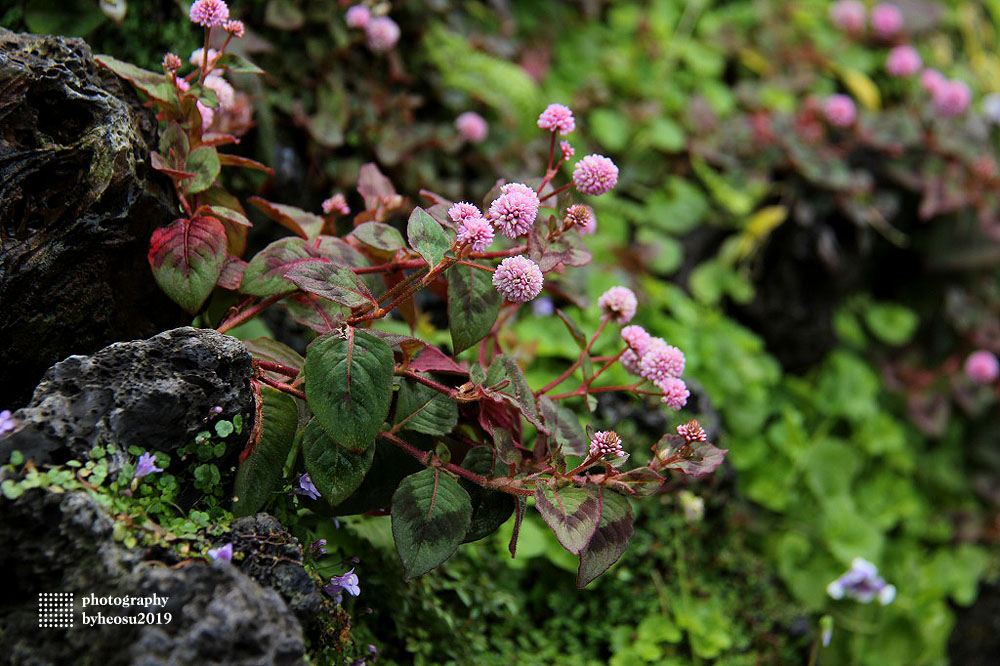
<point x="887" y="20"/>
<point x="381" y="32"/>
<point x="209" y="13"/>
<point x="557" y="118"/>
<point x="582" y="218"/>
<point x="474" y="230"/>
<point x="692" y="432"/>
<point x="903" y="61"/>
<point x="848" y="15"/>
<point x="566" y="149"/>
<point x="472" y="127"/>
<point x="840" y="110"/>
<point x="606" y="443"/>
<point x="336" y="204"/>
<point x="518" y="279"/>
<point x="982" y="367"/>
<point x="515" y="210"/>
<point x="952" y="97"/>
<point x="595" y="175"/>
<point x="657" y="362"/>
<point x="618" y="303"/>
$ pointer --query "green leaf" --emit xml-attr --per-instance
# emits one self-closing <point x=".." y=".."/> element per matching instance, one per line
<point x="610" y="540"/>
<point x="431" y="514"/>
<point x="574" y="329"/>
<point x="517" y="392"/>
<point x="389" y="467"/>
<point x="892" y="324"/>
<point x="331" y="282"/>
<point x="237" y="63"/>
<point x="572" y="513"/>
<point x="349" y="385"/>
<point x="693" y="458"/>
<point x="427" y="237"/>
<point x="380" y="237"/>
<point x="187" y="258"/>
<point x="153" y="85"/>
<point x="265" y="274"/>
<point x="204" y="163"/>
<point x="335" y="471"/>
<point x="473" y="306"/>
<point x="565" y="427"/>
<point x="260" y="474"/>
<point x="272" y="350"/>
<point x="425" y="410"/>
<point x="490" y="508"/>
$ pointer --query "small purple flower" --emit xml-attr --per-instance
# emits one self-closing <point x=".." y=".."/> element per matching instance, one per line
<point x="381" y="34"/>
<point x="518" y="279"/>
<point x="595" y="175"/>
<point x="146" y="465"/>
<point x="557" y="118"/>
<point x="472" y="126"/>
<point x="318" y="547"/>
<point x="848" y="15"/>
<point x="840" y="110"/>
<point x="357" y="17"/>
<point x="675" y="392"/>
<point x="515" y="210"/>
<point x="223" y="554"/>
<point x="887" y="20"/>
<point x="543" y="307"/>
<point x="952" y="98"/>
<point x="931" y="80"/>
<point x="306" y="487"/>
<point x="580" y="217"/>
<point x="903" y="61"/>
<point x="7" y="422"/>
<point x="347" y="582"/>
<point x="606" y="443"/>
<point x="209" y="13"/>
<point x="476" y="232"/>
<point x="862" y="583"/>
<point x="982" y="367"/>
<point x="618" y="303"/>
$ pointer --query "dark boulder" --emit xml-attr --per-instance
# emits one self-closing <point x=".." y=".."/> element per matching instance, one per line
<point x="78" y="204"/>
<point x="156" y="393"/>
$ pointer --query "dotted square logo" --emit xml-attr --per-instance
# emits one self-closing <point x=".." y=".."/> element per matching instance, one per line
<point x="55" y="609"/>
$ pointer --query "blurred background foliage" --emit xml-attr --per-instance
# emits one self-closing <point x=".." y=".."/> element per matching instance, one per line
<point x="825" y="284"/>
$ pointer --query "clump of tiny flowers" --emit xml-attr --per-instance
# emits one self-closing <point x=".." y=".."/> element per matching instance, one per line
<point x="463" y="210"/>
<point x="381" y="34"/>
<point x="982" y="367"/>
<point x="661" y="361"/>
<point x="848" y="15"/>
<point x="840" y="110"/>
<point x="223" y="554"/>
<point x="336" y="204"/>
<point x="518" y="279"/>
<point x="638" y="341"/>
<point x="618" y="303"/>
<point x="675" y="392"/>
<point x="347" y="582"/>
<point x="581" y="217"/>
<point x="887" y="20"/>
<point x="198" y="56"/>
<point x="952" y="98"/>
<point x="7" y="422"/>
<point x="595" y="175"/>
<point x="557" y="118"/>
<point x="903" y="61"/>
<point x="472" y="126"/>
<point x="357" y="17"/>
<point x="172" y="62"/>
<point x="692" y="432"/>
<point x="209" y="13"/>
<point x="515" y="210"/>
<point x="606" y="443"/>
<point x="475" y="232"/>
<point x="307" y="487"/>
<point x="862" y="583"/>
<point x="566" y="149"/>
<point x="234" y="28"/>
<point x="931" y="80"/>
<point x="146" y="466"/>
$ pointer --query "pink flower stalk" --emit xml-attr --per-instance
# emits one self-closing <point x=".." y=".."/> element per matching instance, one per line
<point x="381" y="34"/>
<point x="595" y="175"/>
<point x="336" y="204"/>
<point x="357" y="17"/>
<point x="931" y="80"/>
<point x="463" y="210"/>
<point x="172" y="62"/>
<point x="209" y="13"/>
<point x="476" y="232"/>
<point x="557" y="118"/>
<point x="606" y="443"/>
<point x="903" y="61"/>
<point x="566" y="150"/>
<point x="234" y="28"/>
<point x="618" y="303"/>
<point x="472" y="126"/>
<point x="518" y="279"/>
<point x="515" y="210"/>
<point x="661" y="361"/>
<point x="692" y="432"/>
<point x="952" y="98"/>
<point x="848" y="15"/>
<point x="982" y="367"/>
<point x="638" y="341"/>
<point x="675" y="392"/>
<point x="840" y="110"/>
<point x="887" y="20"/>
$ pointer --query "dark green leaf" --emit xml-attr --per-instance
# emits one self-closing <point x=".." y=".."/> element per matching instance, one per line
<point x="517" y="392"/>
<point x="389" y="466"/>
<point x="490" y="508"/>
<point x="572" y="513"/>
<point x="641" y="481"/>
<point x="380" y="236"/>
<point x="610" y="540"/>
<point x="265" y="274"/>
<point x="473" y="305"/>
<point x="425" y="410"/>
<point x="317" y="313"/>
<point x="335" y="471"/>
<point x="431" y="514"/>
<point x="204" y="163"/>
<point x="349" y="385"/>
<point x="565" y="427"/>
<point x="278" y="352"/>
<point x="187" y="258"/>
<point x="260" y="474"/>
<point x="427" y="237"/>
<point x="328" y="281"/>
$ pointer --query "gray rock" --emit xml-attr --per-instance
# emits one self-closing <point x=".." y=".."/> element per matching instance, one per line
<point x="78" y="204"/>
<point x="219" y="615"/>
<point x="156" y="393"/>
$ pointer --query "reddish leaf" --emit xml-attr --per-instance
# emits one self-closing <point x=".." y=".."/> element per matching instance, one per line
<point x="432" y="359"/>
<point x="326" y="280"/>
<point x="374" y="187"/>
<point x="232" y="274"/>
<point x="265" y="275"/>
<point x="187" y="258"/>
<point x="314" y="312"/>
<point x="235" y="160"/>
<point x="693" y="458"/>
<point x="301" y="222"/>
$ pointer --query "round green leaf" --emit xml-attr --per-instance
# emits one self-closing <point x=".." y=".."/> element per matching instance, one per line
<point x="431" y="514"/>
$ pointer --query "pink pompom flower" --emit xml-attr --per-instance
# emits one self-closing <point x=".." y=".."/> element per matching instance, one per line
<point x="903" y="61"/>
<point x="931" y="80"/>
<point x="675" y="392"/>
<point x="357" y="17"/>
<point x="209" y="13"/>
<point x="692" y="432"/>
<point x="518" y="279"/>
<point x="661" y="361"/>
<point x="840" y="110"/>
<point x="381" y="34"/>
<point x="234" y="28"/>
<point x="982" y="367"/>
<point x="172" y="62"/>
<point x="580" y="217"/>
<point x="336" y="204"/>
<point x="515" y="210"/>
<point x="595" y="175"/>
<point x="606" y="443"/>
<point x="476" y="232"/>
<point x="566" y="149"/>
<point x="887" y="20"/>
<point x="472" y="126"/>
<point x="637" y="340"/>
<point x="557" y="118"/>
<point x="848" y="15"/>
<point x="463" y="210"/>
<point x="952" y="98"/>
<point x="618" y="303"/>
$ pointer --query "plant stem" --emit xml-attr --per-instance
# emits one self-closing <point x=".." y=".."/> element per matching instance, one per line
<point x="250" y="313"/>
<point x="441" y="388"/>
<point x="576" y="364"/>
<point x="557" y="191"/>
<point x="271" y="366"/>
<point x="284" y="388"/>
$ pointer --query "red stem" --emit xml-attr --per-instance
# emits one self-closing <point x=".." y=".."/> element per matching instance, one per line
<point x="250" y="313"/>
<point x="284" y="388"/>
<point x="271" y="366"/>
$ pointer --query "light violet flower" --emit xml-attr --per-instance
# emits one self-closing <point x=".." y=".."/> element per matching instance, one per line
<point x="209" y="13"/>
<point x="991" y="108"/>
<point x="862" y="583"/>
<point x="518" y="279"/>
<point x="381" y="34"/>
<point x="336" y="204"/>
<point x="848" y="15"/>
<point x="675" y="392"/>
<point x="952" y="98"/>
<point x="595" y="175"/>
<point x="223" y="554"/>
<point x="357" y="17"/>
<point x="903" y="61"/>
<point x="222" y="89"/>
<point x="557" y="118"/>
<point x="306" y="487"/>
<point x="146" y="466"/>
<point x="692" y="432"/>
<point x="472" y="126"/>
<point x="543" y="307"/>
<point x="982" y="367"/>
<point x="931" y="80"/>
<point x="476" y="232"/>
<point x="618" y="303"/>
<point x="7" y="422"/>
<point x="515" y="210"/>
<point x="347" y="582"/>
<point x="840" y="110"/>
<point x="463" y="210"/>
<point x="234" y="28"/>
<point x="606" y="443"/>
<point x="887" y="20"/>
<point x="566" y="149"/>
<point x="661" y="361"/>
